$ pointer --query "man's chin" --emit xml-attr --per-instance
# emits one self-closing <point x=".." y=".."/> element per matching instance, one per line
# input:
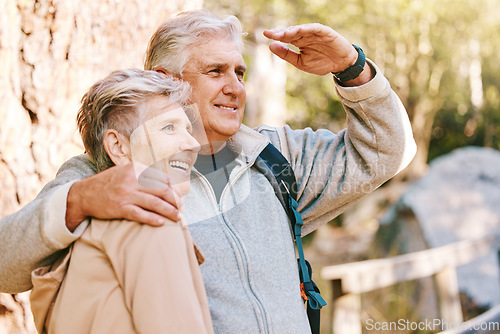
<point x="223" y="134"/>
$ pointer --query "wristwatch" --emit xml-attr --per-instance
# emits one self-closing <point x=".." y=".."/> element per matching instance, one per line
<point x="352" y="72"/>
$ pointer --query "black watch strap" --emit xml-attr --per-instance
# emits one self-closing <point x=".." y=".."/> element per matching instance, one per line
<point x="352" y="72"/>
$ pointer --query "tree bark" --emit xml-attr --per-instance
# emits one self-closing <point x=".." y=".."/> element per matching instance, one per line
<point x="51" y="52"/>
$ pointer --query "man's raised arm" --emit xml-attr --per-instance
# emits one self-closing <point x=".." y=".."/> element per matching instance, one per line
<point x="335" y="170"/>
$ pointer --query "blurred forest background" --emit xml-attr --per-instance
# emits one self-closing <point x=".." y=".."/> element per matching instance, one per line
<point x="441" y="58"/>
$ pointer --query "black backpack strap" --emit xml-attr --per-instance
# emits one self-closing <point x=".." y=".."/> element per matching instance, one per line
<point x="283" y="173"/>
<point x="284" y="182"/>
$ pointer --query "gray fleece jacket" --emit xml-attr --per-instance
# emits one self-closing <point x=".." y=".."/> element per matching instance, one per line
<point x="250" y="271"/>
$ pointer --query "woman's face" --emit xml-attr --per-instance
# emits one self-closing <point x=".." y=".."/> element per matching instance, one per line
<point x="164" y="141"/>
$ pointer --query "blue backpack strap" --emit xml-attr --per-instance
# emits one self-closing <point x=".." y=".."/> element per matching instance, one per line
<point x="287" y="185"/>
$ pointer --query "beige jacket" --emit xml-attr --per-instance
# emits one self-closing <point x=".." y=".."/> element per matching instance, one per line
<point x="123" y="277"/>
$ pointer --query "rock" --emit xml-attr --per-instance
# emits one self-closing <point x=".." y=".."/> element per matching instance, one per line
<point x="457" y="199"/>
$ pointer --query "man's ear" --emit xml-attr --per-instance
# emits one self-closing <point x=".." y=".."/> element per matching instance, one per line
<point x="160" y="69"/>
<point x="117" y="146"/>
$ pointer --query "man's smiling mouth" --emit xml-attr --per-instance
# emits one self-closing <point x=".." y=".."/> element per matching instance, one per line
<point x="225" y="107"/>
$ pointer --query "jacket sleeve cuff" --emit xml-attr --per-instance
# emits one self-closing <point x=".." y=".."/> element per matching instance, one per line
<point x="55" y="226"/>
<point x="372" y="88"/>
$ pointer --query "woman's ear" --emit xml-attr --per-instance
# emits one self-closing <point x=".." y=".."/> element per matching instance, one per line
<point x="117" y="146"/>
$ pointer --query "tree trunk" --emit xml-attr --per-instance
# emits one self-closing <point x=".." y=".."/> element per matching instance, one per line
<point x="423" y="118"/>
<point x="51" y="52"/>
<point x="266" y="86"/>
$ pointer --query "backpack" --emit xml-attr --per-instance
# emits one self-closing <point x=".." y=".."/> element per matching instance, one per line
<point x="279" y="172"/>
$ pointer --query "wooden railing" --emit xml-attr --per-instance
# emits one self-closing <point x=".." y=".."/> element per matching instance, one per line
<point x="350" y="280"/>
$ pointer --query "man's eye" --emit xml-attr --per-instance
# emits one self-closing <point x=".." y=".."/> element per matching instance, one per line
<point x="240" y="74"/>
<point x="169" y="127"/>
<point x="215" y="71"/>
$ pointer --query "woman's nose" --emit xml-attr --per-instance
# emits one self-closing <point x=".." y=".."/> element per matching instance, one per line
<point x="190" y="144"/>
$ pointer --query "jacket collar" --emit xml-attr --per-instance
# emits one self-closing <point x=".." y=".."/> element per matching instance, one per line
<point x="248" y="143"/>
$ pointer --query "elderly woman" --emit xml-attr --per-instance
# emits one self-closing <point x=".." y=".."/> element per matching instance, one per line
<point x="121" y="276"/>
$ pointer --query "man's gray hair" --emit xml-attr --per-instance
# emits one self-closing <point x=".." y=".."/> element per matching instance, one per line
<point x="170" y="45"/>
<point x="113" y="103"/>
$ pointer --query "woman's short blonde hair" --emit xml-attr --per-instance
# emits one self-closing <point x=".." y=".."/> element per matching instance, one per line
<point x="171" y="44"/>
<point x="113" y="103"/>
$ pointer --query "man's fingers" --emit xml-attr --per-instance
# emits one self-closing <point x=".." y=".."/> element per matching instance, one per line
<point x="162" y="191"/>
<point x="156" y="194"/>
<point x="285" y="35"/>
<point x="137" y="214"/>
<point x="156" y="203"/>
<point x="152" y="186"/>
<point x="153" y="176"/>
<point x="294" y="33"/>
<point x="284" y="53"/>
<point x="117" y="193"/>
<point x="271" y="33"/>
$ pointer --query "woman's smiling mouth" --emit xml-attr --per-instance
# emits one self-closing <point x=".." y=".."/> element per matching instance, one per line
<point x="180" y="165"/>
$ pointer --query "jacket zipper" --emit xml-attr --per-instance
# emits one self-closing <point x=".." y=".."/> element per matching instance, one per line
<point x="238" y="243"/>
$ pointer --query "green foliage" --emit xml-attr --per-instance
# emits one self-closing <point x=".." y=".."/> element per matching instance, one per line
<point x="425" y="48"/>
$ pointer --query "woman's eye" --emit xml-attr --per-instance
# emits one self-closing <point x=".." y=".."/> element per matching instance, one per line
<point x="168" y="127"/>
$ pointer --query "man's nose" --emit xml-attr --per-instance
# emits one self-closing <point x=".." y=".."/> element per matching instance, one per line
<point x="233" y="85"/>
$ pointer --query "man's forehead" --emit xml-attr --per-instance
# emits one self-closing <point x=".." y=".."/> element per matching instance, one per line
<point x="206" y="54"/>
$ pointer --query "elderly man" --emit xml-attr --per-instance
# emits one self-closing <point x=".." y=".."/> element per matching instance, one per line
<point x="235" y="217"/>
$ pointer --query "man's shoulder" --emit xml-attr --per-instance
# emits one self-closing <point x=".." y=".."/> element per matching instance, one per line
<point x="281" y="136"/>
<point x="80" y="165"/>
<point x="266" y="129"/>
<point x="271" y="133"/>
<point x="74" y="169"/>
